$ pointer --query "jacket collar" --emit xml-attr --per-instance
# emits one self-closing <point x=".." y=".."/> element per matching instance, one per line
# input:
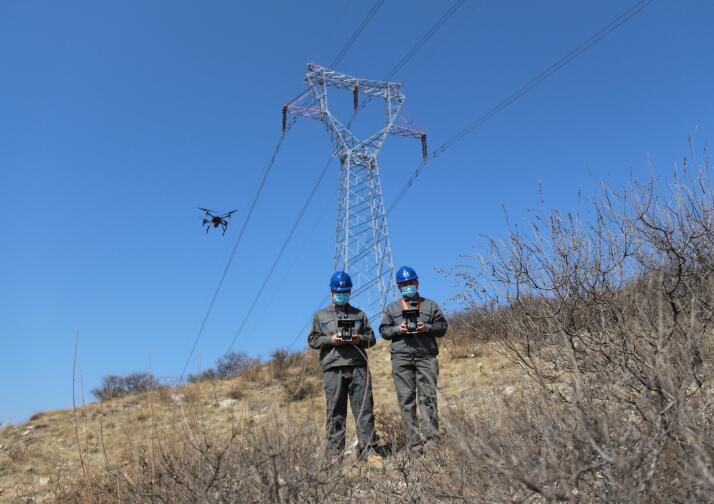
<point x="415" y="301"/>
<point x="344" y="308"/>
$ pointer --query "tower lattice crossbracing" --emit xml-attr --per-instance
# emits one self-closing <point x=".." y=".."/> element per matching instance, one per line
<point x="362" y="245"/>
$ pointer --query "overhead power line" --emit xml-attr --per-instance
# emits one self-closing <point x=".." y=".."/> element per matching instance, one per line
<point x="341" y="53"/>
<point x="549" y="71"/>
<point x="513" y="97"/>
<point x="287" y="241"/>
<point x="356" y="33"/>
<point x="414" y="49"/>
<point x="410" y="53"/>
<point x="232" y="255"/>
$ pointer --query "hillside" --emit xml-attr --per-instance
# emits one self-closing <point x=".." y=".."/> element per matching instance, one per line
<point x="40" y="458"/>
<point x="582" y="371"/>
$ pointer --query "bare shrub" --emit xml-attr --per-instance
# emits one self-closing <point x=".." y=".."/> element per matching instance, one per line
<point x="229" y="365"/>
<point x="390" y="427"/>
<point x="611" y="320"/>
<point x="236" y="392"/>
<point x="465" y="336"/>
<point x="140" y="383"/>
<point x="281" y="361"/>
<point x="254" y="374"/>
<point x="114" y="386"/>
<point x="274" y="462"/>
<point x="300" y="387"/>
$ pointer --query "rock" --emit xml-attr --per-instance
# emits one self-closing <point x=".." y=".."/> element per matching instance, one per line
<point x="692" y="389"/>
<point x="44" y="481"/>
<point x="178" y="398"/>
<point x="509" y="391"/>
<point x="226" y="403"/>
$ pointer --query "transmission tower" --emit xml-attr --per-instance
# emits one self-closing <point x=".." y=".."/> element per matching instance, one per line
<point x="362" y="245"/>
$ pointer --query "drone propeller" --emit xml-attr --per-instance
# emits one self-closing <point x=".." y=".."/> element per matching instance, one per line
<point x="205" y="210"/>
<point x="227" y="215"/>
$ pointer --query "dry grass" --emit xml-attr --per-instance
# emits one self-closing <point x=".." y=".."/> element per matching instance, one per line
<point x="125" y="435"/>
<point x="581" y="373"/>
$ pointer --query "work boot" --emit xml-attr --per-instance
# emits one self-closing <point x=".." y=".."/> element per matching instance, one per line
<point x="372" y="458"/>
<point x="375" y="460"/>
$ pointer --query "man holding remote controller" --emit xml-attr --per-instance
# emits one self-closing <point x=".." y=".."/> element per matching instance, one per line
<point x="342" y="334"/>
<point x="412" y="324"/>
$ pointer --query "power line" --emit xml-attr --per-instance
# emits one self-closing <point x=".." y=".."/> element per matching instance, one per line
<point x="307" y="324"/>
<point x="288" y="239"/>
<point x="417" y="46"/>
<point x="410" y="54"/>
<point x="296" y="257"/>
<point x="253" y="204"/>
<point x="360" y="28"/>
<point x="513" y="97"/>
<point x="358" y="31"/>
<point x="424" y="39"/>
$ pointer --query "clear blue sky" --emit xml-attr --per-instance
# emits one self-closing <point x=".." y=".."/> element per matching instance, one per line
<point x="118" y="119"/>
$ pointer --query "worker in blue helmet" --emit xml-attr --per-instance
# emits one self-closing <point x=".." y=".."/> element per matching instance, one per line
<point x="342" y="334"/>
<point x="412" y="324"/>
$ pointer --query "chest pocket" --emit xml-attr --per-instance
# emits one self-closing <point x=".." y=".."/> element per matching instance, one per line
<point x="328" y="326"/>
<point x="425" y="315"/>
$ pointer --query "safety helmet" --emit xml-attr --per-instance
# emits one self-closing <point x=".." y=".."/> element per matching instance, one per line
<point x="340" y="282"/>
<point x="406" y="274"/>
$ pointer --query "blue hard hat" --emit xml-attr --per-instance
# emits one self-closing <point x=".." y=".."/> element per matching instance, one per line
<point x="406" y="274"/>
<point x="340" y="282"/>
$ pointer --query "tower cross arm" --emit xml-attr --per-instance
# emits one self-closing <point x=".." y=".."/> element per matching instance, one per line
<point x="367" y="86"/>
<point x="313" y="103"/>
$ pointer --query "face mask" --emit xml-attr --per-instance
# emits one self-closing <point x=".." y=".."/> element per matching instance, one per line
<point x="409" y="291"/>
<point x="341" y="298"/>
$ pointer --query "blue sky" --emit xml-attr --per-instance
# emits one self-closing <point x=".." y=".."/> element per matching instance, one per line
<point x="118" y="119"/>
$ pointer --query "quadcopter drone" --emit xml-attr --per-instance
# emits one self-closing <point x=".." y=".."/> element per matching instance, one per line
<point x="216" y="220"/>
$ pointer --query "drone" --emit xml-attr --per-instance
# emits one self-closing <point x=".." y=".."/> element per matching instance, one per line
<point x="216" y="220"/>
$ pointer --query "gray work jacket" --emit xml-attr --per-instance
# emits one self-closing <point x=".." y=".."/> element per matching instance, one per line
<point x="324" y="325"/>
<point x="425" y="343"/>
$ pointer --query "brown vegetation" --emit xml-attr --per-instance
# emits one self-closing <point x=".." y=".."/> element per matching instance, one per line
<point x="169" y="435"/>
<point x="580" y="372"/>
<point x="611" y="321"/>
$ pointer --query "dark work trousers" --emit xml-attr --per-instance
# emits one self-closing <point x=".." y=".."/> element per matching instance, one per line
<point x="415" y="377"/>
<point x="354" y="382"/>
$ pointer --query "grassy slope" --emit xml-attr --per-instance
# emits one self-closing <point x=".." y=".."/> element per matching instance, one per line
<point x="35" y="454"/>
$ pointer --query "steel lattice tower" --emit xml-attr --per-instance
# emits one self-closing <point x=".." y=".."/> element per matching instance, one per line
<point x="362" y="245"/>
